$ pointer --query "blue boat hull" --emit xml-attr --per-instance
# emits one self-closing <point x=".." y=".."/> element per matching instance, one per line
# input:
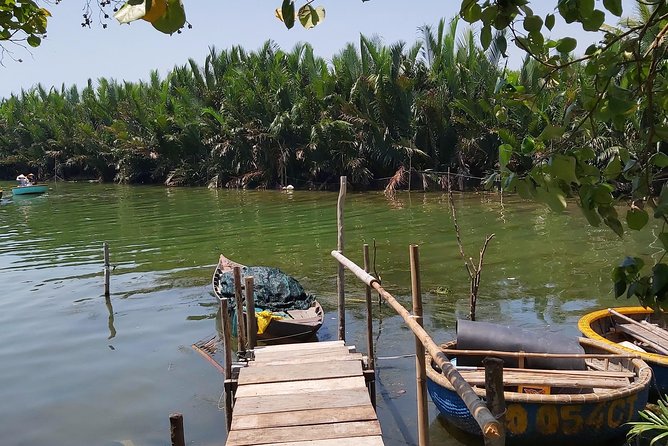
<point x="29" y="190"/>
<point x="548" y="423"/>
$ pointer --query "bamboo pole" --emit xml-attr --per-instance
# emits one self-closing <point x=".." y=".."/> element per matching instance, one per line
<point x="241" y="330"/>
<point x="369" y="330"/>
<point x="496" y="401"/>
<point x="339" y="246"/>
<point x="176" y="429"/>
<point x="456" y="352"/>
<point x="420" y="370"/>
<point x="227" y="341"/>
<point x="107" y="268"/>
<point x="488" y="424"/>
<point x="251" y="322"/>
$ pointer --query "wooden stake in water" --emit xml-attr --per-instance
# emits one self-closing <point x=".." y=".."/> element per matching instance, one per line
<point x="251" y="321"/>
<point x="227" y="343"/>
<point x="339" y="246"/>
<point x="241" y="326"/>
<point x="496" y="401"/>
<point x="176" y="429"/>
<point x="107" y="269"/>
<point x="369" y="329"/>
<point x="420" y="370"/>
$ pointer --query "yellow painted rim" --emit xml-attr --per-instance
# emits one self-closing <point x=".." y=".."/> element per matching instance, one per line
<point x="585" y="322"/>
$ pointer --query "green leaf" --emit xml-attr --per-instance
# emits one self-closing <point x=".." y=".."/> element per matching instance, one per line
<point x="551" y="132"/>
<point x="615" y="225"/>
<point x="613" y="169"/>
<point x="586" y="8"/>
<point x="632" y="265"/>
<point x="563" y="167"/>
<point x="661" y="209"/>
<point x="173" y="19"/>
<point x="486" y="36"/>
<point x="614" y="6"/>
<point x="473" y="12"/>
<point x="131" y="11"/>
<point x="502" y="44"/>
<point x="34" y="41"/>
<point x="636" y="218"/>
<point x="288" y="13"/>
<point x="664" y="240"/>
<point x="549" y="21"/>
<point x="533" y="23"/>
<point x="505" y="152"/>
<point x="660" y="160"/>
<point x="594" y="21"/>
<point x="310" y="16"/>
<point x="528" y="145"/>
<point x="620" y="287"/>
<point x="566" y="45"/>
<point x="659" y="279"/>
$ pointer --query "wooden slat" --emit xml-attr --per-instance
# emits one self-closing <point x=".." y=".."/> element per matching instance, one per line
<point x="646" y="336"/>
<point x="312" y="359"/>
<point x="356" y="441"/>
<point x="272" y="356"/>
<point x="304" y="417"/>
<point x="291" y="372"/>
<point x="296" y="347"/>
<point x="293" y="387"/>
<point x="302" y="401"/>
<point x="298" y="433"/>
<point x="477" y="378"/>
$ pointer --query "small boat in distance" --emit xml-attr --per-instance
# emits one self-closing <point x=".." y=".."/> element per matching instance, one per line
<point x="635" y="330"/>
<point x="34" y="189"/>
<point x="551" y="398"/>
<point x="296" y="321"/>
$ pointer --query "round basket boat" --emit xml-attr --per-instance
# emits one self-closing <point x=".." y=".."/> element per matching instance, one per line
<point x="553" y="415"/>
<point x="599" y="325"/>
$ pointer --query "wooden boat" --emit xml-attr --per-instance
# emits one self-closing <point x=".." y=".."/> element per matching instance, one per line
<point x="549" y="406"/>
<point x="35" y="189"/>
<point x="622" y="334"/>
<point x="294" y="325"/>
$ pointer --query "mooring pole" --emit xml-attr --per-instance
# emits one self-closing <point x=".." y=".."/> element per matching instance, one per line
<point x="227" y="341"/>
<point x="241" y="330"/>
<point x="369" y="330"/>
<point x="420" y="370"/>
<point x="176" y="429"/>
<point x="251" y="322"/>
<point x="339" y="246"/>
<point x="496" y="401"/>
<point x="107" y="268"/>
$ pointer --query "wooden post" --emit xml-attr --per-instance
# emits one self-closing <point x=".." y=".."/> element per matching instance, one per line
<point x="107" y="269"/>
<point x="339" y="246"/>
<point x="369" y="330"/>
<point x="176" y="429"/>
<point x="227" y="341"/>
<point x="420" y="370"/>
<point x="496" y="401"/>
<point x="251" y="322"/>
<point x="241" y="330"/>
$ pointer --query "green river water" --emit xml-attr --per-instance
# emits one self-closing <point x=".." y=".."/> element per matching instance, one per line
<point x="79" y="371"/>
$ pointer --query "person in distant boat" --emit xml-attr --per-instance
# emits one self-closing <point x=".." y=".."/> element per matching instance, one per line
<point x="23" y="180"/>
<point x="31" y="179"/>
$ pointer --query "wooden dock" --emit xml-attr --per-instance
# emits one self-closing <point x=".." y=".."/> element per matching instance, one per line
<point x="304" y="394"/>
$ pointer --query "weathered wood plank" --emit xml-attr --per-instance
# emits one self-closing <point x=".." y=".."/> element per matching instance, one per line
<point x="476" y="378"/>
<point x="302" y="401"/>
<point x="296" y="347"/>
<point x="293" y="387"/>
<point x="298" y="433"/>
<point x="304" y="417"/>
<point x="356" y="441"/>
<point x="269" y="356"/>
<point x="292" y="372"/>
<point x="311" y="359"/>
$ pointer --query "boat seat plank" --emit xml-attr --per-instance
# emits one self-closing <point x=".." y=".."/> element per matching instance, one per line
<point x="512" y="378"/>
<point x="298" y="433"/>
<point x="356" y="441"/>
<point x="264" y="355"/>
<point x="301" y="401"/>
<point x="288" y="372"/>
<point x="312" y="359"/>
<point x="303" y="314"/>
<point x="642" y="334"/>
<point x="293" y="387"/>
<point x="305" y="417"/>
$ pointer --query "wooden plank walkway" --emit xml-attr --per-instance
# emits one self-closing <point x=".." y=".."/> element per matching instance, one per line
<point x="304" y="394"/>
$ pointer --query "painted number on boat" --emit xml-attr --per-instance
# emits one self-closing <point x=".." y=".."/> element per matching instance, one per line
<point x="550" y="419"/>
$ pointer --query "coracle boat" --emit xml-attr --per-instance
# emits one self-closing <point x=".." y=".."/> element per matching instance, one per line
<point x="633" y="330"/>
<point x="572" y="399"/>
<point x="285" y="312"/>
<point x="35" y="189"/>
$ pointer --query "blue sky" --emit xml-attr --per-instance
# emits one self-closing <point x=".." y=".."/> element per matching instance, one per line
<point x="72" y="54"/>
